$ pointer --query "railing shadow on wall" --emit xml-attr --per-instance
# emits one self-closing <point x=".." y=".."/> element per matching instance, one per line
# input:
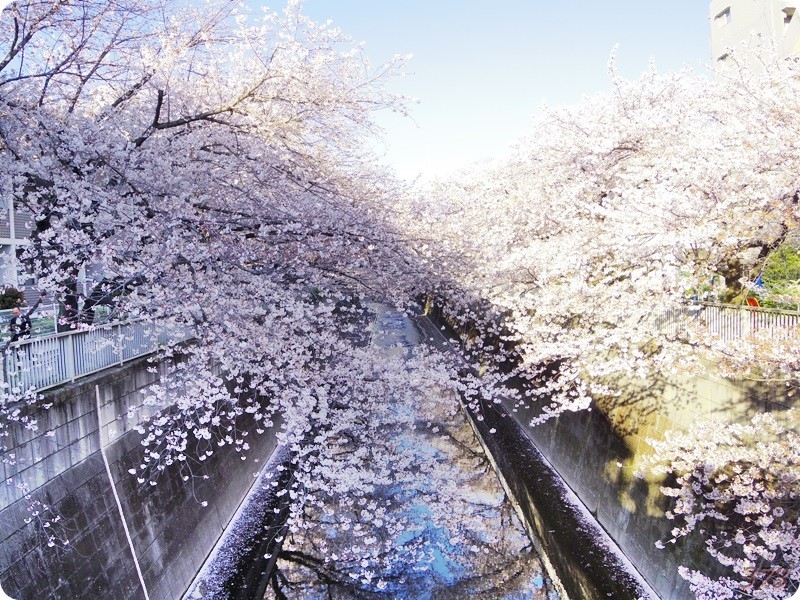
<point x="41" y="363"/>
<point x="730" y="324"/>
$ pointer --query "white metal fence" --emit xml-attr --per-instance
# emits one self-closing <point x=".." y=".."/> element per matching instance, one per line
<point x="44" y="362"/>
<point x="728" y="322"/>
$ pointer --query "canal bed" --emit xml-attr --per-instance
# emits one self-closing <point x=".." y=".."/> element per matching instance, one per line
<point x="439" y="525"/>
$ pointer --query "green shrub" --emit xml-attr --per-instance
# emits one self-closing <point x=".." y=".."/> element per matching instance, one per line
<point x="782" y="268"/>
<point x="10" y="297"/>
<point x="781" y="278"/>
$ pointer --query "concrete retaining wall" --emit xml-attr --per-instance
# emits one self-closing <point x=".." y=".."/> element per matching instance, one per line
<point x="572" y="545"/>
<point x="60" y="466"/>
<point x="597" y="453"/>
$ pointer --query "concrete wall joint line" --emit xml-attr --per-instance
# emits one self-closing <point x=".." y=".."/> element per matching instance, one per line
<point x="116" y="496"/>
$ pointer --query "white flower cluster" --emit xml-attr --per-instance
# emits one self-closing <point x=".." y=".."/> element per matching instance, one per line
<point x="739" y="486"/>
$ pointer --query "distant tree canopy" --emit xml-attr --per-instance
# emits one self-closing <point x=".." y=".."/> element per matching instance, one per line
<point x="10" y="297"/>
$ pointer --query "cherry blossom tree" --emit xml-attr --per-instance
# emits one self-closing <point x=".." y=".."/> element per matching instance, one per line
<point x="571" y="262"/>
<point x="148" y="113"/>
<point x="736" y="484"/>
<point x="211" y="162"/>
<point x="612" y="211"/>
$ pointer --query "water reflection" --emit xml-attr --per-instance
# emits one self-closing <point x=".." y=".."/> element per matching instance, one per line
<point x="436" y="526"/>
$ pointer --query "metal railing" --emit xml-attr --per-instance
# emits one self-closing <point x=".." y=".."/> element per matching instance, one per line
<point x="45" y="362"/>
<point x="728" y="322"/>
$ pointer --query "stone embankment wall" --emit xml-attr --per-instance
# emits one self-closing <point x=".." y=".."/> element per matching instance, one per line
<point x="597" y="453"/>
<point x="172" y="525"/>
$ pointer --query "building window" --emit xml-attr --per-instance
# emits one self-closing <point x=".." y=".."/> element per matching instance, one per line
<point x="788" y="15"/>
<point x="723" y="18"/>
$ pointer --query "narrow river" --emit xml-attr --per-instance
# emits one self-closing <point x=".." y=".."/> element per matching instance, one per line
<point x="453" y="532"/>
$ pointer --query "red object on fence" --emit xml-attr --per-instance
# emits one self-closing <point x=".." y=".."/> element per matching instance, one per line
<point x="754" y="316"/>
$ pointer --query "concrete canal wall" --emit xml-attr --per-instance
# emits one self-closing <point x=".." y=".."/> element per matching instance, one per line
<point x="596" y="453"/>
<point x="172" y="526"/>
<point x="582" y="561"/>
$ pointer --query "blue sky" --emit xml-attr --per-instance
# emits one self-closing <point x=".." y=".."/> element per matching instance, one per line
<point x="482" y="69"/>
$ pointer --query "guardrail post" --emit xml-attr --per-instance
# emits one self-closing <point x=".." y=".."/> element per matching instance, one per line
<point x="6" y="376"/>
<point x="69" y="356"/>
<point x="120" y="344"/>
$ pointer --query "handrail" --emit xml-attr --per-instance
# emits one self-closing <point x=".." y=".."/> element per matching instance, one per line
<point x="745" y="307"/>
<point x="44" y="362"/>
<point x="41" y="363"/>
<point x="729" y="322"/>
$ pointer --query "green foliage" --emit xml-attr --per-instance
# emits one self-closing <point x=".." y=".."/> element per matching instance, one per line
<point x="782" y="267"/>
<point x="781" y="277"/>
<point x="10" y="297"/>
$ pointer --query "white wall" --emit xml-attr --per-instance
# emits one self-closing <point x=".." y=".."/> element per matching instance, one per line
<point x="735" y="21"/>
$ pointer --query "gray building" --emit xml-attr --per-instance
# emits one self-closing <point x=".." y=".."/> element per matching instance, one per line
<point x="16" y="225"/>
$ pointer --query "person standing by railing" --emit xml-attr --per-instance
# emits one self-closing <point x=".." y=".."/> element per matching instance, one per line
<point x="20" y="325"/>
<point x="21" y="328"/>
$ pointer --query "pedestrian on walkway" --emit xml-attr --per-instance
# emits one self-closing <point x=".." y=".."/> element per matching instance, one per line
<point x="20" y="325"/>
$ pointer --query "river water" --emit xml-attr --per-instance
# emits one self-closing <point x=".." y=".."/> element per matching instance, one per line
<point x="454" y="534"/>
